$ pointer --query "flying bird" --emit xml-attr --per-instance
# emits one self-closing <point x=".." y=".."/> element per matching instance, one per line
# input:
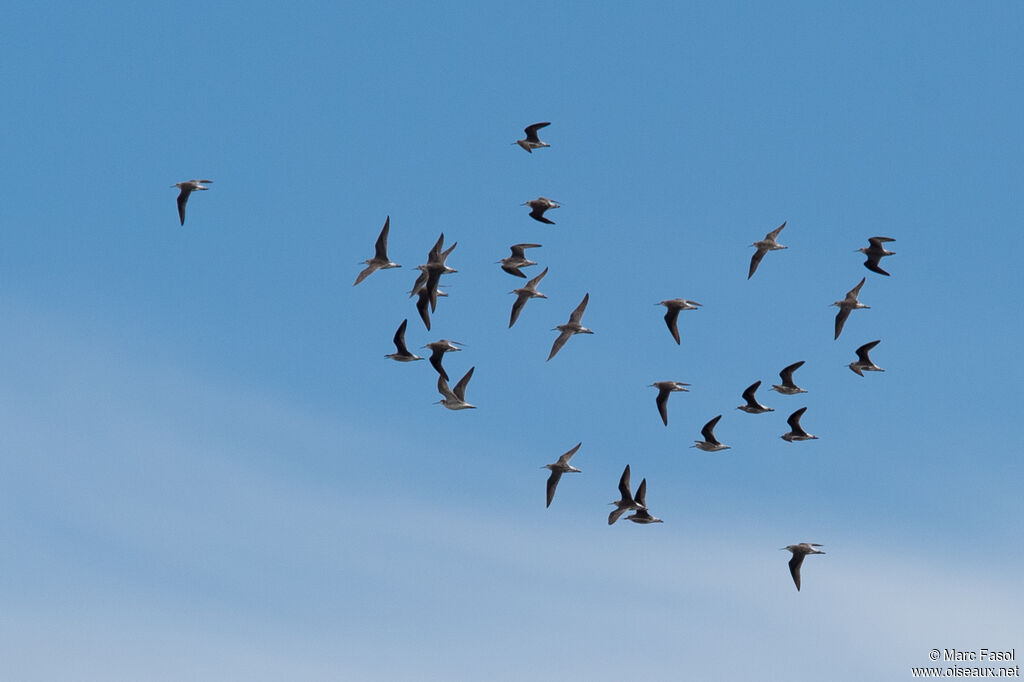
<point x="863" y="363"/>
<point x="796" y="432"/>
<point x="710" y="443"/>
<point x="438" y="349"/>
<point x="538" y="206"/>
<point x="764" y="246"/>
<point x="672" y="308"/>
<point x="402" y="353"/>
<point x="423" y="307"/>
<point x="525" y="294"/>
<point x="625" y="502"/>
<point x="518" y="259"/>
<point x="788" y="387"/>
<point x="455" y="399"/>
<point x="799" y="552"/>
<point x="875" y="252"/>
<point x="380" y="260"/>
<point x="752" y="406"/>
<point x="431" y="271"/>
<point x="664" y="388"/>
<point x="558" y="468"/>
<point x="571" y="327"/>
<point x="641" y="515"/>
<point x="187" y="187"/>
<point x="531" y="141"/>
<point x="846" y="305"/>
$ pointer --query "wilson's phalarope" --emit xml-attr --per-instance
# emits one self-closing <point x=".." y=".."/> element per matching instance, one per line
<point x="799" y="552"/>
<point x="673" y="306"/>
<point x="525" y="294"/>
<point x="875" y="253"/>
<point x="531" y="141"/>
<point x="625" y="502"/>
<point x="796" y="432"/>
<point x="641" y="515"/>
<point x="402" y="353"/>
<point x="664" y="388"/>
<point x="438" y="349"/>
<point x="846" y="305"/>
<point x="752" y="406"/>
<point x="187" y="187"/>
<point x="380" y="260"/>
<point x="455" y="399"/>
<point x="764" y="246"/>
<point x="710" y="443"/>
<point x="863" y="363"/>
<point x="538" y="206"/>
<point x="571" y="327"/>
<point x="518" y="259"/>
<point x="560" y="467"/>
<point x="788" y="387"/>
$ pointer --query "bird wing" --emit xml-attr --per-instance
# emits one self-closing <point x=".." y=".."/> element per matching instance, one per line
<point x="862" y="352"/>
<point x="519" y="250"/>
<point x="853" y="293"/>
<point x="616" y="513"/>
<point x="624" y="485"/>
<point x="841" y="320"/>
<point x="433" y="279"/>
<point x="421" y="279"/>
<point x="748" y="394"/>
<point x="444" y="254"/>
<point x="531" y="131"/>
<point x="381" y="247"/>
<point x="399" y="338"/>
<point x="532" y="284"/>
<point x="708" y="432"/>
<point x="755" y="260"/>
<point x="672" y="320"/>
<point x="553" y="479"/>
<point x="794" y="568"/>
<point x="872" y="264"/>
<point x="367" y="271"/>
<point x="641" y="494"/>
<point x="538" y="214"/>
<point x="794" y="422"/>
<point x="434" y="256"/>
<point x="564" y="459"/>
<point x="787" y="372"/>
<point x="559" y="342"/>
<point x="423" y="306"/>
<point x="517" y="308"/>
<point x="878" y="241"/>
<point x="435" y="360"/>
<point x="577" y="314"/>
<point x="662" y="401"/>
<point x="513" y="270"/>
<point x="442" y="388"/>
<point x="771" y="236"/>
<point x="182" y="200"/>
<point x="460" y="388"/>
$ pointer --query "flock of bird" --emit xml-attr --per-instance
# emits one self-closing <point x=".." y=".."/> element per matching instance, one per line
<point x="427" y="290"/>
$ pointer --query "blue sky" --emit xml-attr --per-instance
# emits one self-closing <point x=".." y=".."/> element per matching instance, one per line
<point x="208" y="470"/>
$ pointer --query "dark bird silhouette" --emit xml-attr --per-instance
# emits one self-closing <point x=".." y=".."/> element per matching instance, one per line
<point x="187" y="187"/>
<point x="875" y="252"/>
